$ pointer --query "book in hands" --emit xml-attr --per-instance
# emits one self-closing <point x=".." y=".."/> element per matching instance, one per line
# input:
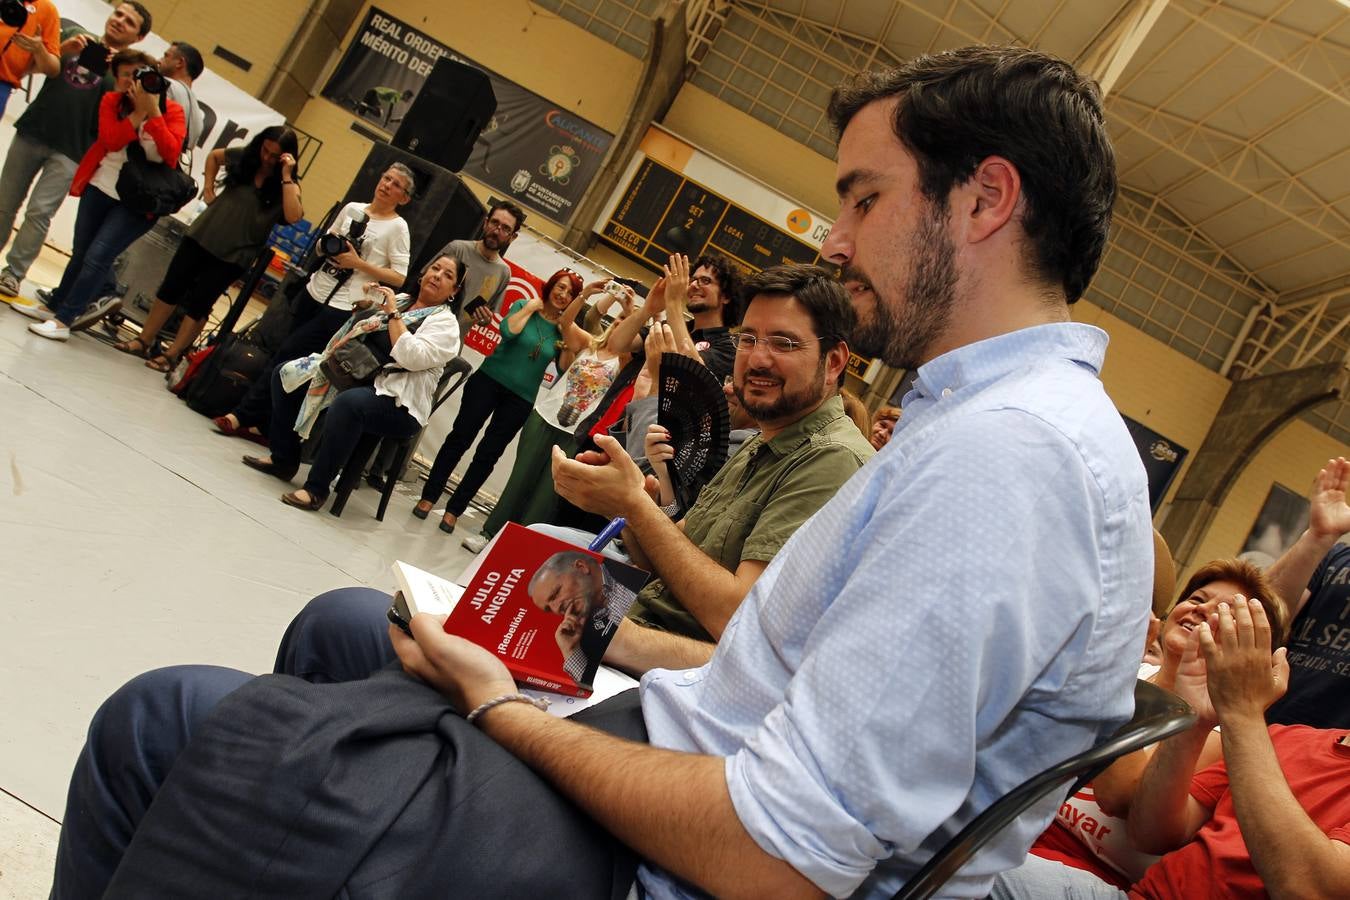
<point x="546" y="608"/>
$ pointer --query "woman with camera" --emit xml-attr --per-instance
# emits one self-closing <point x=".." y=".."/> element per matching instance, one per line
<point x="412" y="339"/>
<point x="367" y="243"/>
<point x="259" y="192"/>
<point x="104" y="226"/>
<point x="502" y="390"/>
<point x="589" y="366"/>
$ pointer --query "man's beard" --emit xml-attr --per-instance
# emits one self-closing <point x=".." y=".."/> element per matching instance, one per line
<point x="787" y="404"/>
<point x="491" y="241"/>
<point x="900" y="330"/>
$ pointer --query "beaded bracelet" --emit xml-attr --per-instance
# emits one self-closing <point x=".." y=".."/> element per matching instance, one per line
<point x="537" y="702"/>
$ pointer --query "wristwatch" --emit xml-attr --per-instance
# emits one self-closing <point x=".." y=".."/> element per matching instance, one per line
<point x="396" y="315"/>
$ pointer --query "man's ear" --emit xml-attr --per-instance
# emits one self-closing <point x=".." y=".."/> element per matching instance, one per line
<point x="836" y="359"/>
<point x="988" y="199"/>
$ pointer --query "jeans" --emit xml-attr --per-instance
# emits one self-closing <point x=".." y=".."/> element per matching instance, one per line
<point x="311" y="330"/>
<point x="356" y="411"/>
<point x="483" y="397"/>
<point x="27" y="158"/>
<point x="1043" y="879"/>
<point x="103" y="229"/>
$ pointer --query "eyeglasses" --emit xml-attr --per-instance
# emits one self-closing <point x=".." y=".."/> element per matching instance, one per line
<point x="703" y="280"/>
<point x="493" y="225"/>
<point x="777" y="343"/>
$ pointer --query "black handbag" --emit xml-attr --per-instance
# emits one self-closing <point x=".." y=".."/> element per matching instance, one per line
<point x="152" y="188"/>
<point x="351" y="365"/>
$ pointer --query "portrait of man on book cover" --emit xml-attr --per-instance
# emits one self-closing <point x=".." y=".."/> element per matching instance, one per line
<point x="591" y="599"/>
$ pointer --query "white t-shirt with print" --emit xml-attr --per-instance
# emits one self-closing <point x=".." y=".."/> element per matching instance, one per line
<point x="386" y="244"/>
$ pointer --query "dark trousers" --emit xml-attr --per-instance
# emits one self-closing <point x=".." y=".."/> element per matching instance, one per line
<point x="482" y="398"/>
<point x="312" y="328"/>
<point x="103" y="229"/>
<point x="355" y="412"/>
<point x="463" y="830"/>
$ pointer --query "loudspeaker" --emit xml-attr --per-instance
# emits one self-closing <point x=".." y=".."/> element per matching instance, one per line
<point x="442" y="210"/>
<point x="450" y="111"/>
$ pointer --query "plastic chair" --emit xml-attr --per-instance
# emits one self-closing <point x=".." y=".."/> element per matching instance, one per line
<point x="1157" y="715"/>
<point x="452" y="378"/>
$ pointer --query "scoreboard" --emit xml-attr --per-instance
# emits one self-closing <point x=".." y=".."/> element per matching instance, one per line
<point x="663" y="212"/>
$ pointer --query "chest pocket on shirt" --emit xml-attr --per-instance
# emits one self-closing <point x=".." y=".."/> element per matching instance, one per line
<point x="727" y="532"/>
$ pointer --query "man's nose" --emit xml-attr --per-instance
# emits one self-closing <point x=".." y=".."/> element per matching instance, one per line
<point x="838" y="244"/>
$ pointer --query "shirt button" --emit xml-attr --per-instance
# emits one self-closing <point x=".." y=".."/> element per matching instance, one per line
<point x="946" y="392"/>
<point x="691" y="676"/>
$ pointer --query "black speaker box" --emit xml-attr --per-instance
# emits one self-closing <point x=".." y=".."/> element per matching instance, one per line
<point x="450" y="111"/>
<point x="443" y="210"/>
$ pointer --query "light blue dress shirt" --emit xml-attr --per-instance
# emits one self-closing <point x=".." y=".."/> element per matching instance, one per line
<point x="969" y="609"/>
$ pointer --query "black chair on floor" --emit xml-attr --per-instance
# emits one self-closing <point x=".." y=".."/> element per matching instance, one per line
<point x="451" y="380"/>
<point x="1157" y="715"/>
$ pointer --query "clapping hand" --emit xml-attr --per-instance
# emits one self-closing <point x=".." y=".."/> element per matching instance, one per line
<point x="1244" y="676"/>
<point x="1328" y="513"/>
<point x="29" y="43"/>
<point x="677" y="284"/>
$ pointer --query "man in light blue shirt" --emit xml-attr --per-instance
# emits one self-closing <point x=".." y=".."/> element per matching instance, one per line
<point x="968" y="608"/>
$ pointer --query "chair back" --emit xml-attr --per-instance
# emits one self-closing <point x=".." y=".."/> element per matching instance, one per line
<point x="452" y="376"/>
<point x="1157" y="715"/>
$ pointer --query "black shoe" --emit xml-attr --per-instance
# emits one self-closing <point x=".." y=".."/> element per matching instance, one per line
<point x="375" y="481"/>
<point x="285" y="473"/>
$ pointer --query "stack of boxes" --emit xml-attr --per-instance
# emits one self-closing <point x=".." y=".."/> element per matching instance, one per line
<point x="289" y="242"/>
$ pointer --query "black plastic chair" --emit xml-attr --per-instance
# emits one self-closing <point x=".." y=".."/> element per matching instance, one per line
<point x="1157" y="715"/>
<point x="451" y="380"/>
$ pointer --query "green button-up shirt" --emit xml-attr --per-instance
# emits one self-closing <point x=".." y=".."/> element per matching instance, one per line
<point x="758" y="499"/>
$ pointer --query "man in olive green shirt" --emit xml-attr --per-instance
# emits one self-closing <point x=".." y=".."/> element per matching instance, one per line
<point x="789" y="360"/>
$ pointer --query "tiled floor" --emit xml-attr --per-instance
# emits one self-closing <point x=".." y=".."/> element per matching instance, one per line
<point x="131" y="537"/>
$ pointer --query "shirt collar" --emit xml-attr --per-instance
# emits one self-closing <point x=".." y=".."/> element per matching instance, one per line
<point x="800" y="431"/>
<point x="995" y="357"/>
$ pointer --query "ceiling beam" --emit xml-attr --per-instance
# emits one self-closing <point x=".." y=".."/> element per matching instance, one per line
<point x="1106" y="58"/>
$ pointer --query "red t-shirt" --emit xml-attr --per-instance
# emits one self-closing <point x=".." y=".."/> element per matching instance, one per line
<point x="1215" y="863"/>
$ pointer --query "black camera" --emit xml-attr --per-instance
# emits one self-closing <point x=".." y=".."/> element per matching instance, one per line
<point x="150" y="80"/>
<point x="13" y="13"/>
<point x="332" y="244"/>
<point x="94" y="58"/>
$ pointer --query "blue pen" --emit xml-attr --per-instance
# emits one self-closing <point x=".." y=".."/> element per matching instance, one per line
<point x="609" y="533"/>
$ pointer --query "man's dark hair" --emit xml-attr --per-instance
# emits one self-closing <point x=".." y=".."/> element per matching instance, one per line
<point x="728" y="282"/>
<point x="516" y="212"/>
<point x="140" y="11"/>
<point x="192" y="58"/>
<point x="824" y="297"/>
<point x="959" y="107"/>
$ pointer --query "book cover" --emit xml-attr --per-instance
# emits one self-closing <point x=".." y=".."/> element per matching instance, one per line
<point x="547" y="608"/>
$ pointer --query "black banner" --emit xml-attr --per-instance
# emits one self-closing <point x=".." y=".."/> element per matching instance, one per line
<point x="1162" y="459"/>
<point x="533" y="152"/>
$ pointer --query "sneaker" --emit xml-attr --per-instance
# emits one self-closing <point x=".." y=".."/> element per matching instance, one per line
<point x="31" y="308"/>
<point x="93" y="312"/>
<point x="474" y="543"/>
<point x="9" y="285"/>
<point x="52" y="329"/>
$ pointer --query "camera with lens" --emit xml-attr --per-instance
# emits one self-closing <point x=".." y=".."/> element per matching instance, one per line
<point x="333" y="244"/>
<point x="94" y="58"/>
<point x="13" y="13"/>
<point x="150" y="80"/>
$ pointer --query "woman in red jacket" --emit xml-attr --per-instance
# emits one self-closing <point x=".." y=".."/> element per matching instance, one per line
<point x="103" y="226"/>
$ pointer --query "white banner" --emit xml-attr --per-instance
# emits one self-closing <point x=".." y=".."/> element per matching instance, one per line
<point x="232" y="116"/>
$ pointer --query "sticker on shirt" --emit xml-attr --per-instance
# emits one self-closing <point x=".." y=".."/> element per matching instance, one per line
<point x="79" y="77"/>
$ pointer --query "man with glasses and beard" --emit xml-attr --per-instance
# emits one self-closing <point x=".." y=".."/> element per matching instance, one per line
<point x="967" y="608"/>
<point x="486" y="275"/>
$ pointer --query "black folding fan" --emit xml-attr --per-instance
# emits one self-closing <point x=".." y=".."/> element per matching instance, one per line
<point x="692" y="407"/>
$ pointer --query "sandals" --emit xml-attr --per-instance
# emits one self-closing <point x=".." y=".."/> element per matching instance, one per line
<point x="310" y="505"/>
<point x="162" y="363"/>
<point x="134" y="347"/>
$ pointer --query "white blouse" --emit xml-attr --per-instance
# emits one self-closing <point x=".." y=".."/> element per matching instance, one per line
<point x="423" y="353"/>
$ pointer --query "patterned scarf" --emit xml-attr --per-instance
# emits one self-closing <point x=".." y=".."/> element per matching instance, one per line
<point x="306" y="369"/>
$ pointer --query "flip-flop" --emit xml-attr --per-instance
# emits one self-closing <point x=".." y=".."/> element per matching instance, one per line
<point x="126" y="347"/>
<point x="162" y="363"/>
<point x="310" y="505"/>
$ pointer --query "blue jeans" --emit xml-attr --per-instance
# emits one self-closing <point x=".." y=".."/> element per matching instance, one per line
<point x="103" y="229"/>
<point x="355" y="412"/>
